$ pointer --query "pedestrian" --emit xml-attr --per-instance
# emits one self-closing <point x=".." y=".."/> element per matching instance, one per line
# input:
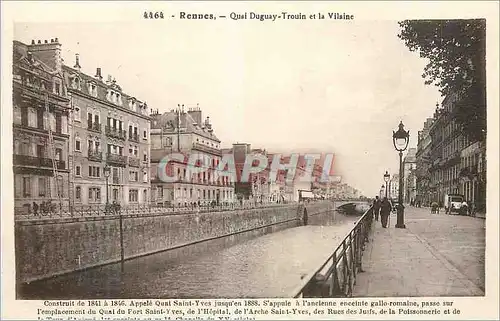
<point x="35" y="208"/>
<point x="385" y="211"/>
<point x="376" y="207"/>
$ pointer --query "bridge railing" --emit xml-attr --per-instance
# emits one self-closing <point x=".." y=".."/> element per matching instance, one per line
<point x="336" y="277"/>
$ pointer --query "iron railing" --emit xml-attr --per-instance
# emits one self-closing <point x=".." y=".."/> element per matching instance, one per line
<point x="116" y="132"/>
<point x="133" y="137"/>
<point x="95" y="155"/>
<point x="119" y="160"/>
<point x="93" y="126"/>
<point x="133" y="161"/>
<point x="25" y="160"/>
<point x="336" y="277"/>
<point x="51" y="211"/>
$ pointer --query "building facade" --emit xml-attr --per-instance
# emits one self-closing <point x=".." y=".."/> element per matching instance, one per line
<point x="110" y="143"/>
<point x="423" y="163"/>
<point x="457" y="164"/>
<point x="410" y="178"/>
<point x="184" y="132"/>
<point x="40" y="104"/>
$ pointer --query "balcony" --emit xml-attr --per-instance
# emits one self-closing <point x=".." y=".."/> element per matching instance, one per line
<point x="116" y="133"/>
<point x="95" y="127"/>
<point x="22" y="160"/>
<point x="95" y="155"/>
<point x="133" y="137"/>
<point x="117" y="160"/>
<point x="207" y="149"/>
<point x="134" y="162"/>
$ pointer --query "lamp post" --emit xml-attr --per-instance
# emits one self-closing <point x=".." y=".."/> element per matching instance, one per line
<point x="387" y="177"/>
<point x="107" y="172"/>
<point x="400" y="139"/>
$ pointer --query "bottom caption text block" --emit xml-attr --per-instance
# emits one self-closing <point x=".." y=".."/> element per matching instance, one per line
<point x="244" y="309"/>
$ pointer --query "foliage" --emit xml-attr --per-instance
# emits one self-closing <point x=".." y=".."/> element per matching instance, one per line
<point x="456" y="51"/>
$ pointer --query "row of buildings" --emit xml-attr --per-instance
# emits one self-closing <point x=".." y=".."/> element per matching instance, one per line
<point x="447" y="161"/>
<point x="81" y="140"/>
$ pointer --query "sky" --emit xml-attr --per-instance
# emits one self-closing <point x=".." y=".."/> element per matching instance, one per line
<point x="335" y="87"/>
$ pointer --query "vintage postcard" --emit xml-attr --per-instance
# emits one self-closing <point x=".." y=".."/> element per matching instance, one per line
<point x="249" y="160"/>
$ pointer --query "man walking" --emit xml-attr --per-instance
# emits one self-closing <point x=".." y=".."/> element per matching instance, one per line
<point x="376" y="207"/>
<point x="385" y="211"/>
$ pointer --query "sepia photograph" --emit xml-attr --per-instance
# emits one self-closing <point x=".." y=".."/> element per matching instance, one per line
<point x="249" y="153"/>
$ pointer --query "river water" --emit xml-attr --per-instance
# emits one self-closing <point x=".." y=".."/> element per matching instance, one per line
<point x="269" y="262"/>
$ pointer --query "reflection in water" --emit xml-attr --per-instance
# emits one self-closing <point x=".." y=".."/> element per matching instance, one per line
<point x="263" y="262"/>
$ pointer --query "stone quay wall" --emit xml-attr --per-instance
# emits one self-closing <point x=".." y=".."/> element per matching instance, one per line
<point x="50" y="247"/>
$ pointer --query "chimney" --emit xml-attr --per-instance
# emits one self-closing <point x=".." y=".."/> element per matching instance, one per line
<point x="195" y="113"/>
<point x="48" y="52"/>
<point x="98" y="74"/>
<point x="77" y="59"/>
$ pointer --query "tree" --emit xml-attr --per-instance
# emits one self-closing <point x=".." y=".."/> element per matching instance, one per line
<point x="456" y="50"/>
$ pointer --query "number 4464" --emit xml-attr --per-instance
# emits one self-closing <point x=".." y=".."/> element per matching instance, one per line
<point x="153" y="15"/>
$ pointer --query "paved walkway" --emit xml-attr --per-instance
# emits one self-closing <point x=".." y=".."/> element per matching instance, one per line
<point x="436" y="255"/>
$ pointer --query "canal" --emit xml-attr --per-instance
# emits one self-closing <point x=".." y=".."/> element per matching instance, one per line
<point x="269" y="262"/>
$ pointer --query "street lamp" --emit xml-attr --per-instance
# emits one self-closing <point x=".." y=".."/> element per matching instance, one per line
<point x="107" y="172"/>
<point x="400" y="140"/>
<point x="387" y="177"/>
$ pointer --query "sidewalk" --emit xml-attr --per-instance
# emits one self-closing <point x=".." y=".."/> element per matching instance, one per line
<point x="436" y="255"/>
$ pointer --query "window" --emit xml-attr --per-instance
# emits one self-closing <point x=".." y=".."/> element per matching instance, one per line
<point x="41" y="186"/>
<point x="78" y="193"/>
<point x="115" y="194"/>
<point x="133" y="176"/>
<point x="93" y="90"/>
<point x="78" y="170"/>
<point x="94" y="194"/>
<point x="94" y="171"/>
<point x="32" y="117"/>
<point x="78" y="144"/>
<point x="145" y="176"/>
<point x="145" y="156"/>
<point x="145" y="134"/>
<point x="133" y="195"/>
<point x="26" y="186"/>
<point x="40" y="151"/>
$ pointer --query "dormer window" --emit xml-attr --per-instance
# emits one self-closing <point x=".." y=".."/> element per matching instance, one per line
<point x="92" y="89"/>
<point x="119" y="99"/>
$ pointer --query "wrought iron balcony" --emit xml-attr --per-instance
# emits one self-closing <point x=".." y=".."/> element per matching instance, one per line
<point x="116" y="133"/>
<point x="135" y="162"/>
<point x="95" y="127"/>
<point x="95" y="156"/>
<point x="37" y="162"/>
<point x="118" y="160"/>
<point x="133" y="137"/>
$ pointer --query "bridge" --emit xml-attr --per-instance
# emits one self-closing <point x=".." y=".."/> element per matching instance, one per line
<point x="335" y="255"/>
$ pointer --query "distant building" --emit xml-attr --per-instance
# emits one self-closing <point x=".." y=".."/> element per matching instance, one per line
<point x="423" y="163"/>
<point x="410" y="178"/>
<point x="393" y="191"/>
<point x="185" y="132"/>
<point x="40" y="103"/>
